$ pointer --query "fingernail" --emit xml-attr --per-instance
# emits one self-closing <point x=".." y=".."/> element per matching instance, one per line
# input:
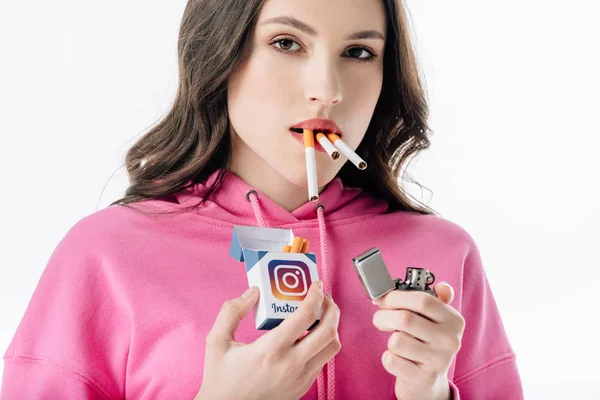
<point x="247" y="293"/>
<point x="320" y="284"/>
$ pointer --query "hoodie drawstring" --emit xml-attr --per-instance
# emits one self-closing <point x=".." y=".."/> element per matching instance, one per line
<point x="327" y="284"/>
<point x="252" y="197"/>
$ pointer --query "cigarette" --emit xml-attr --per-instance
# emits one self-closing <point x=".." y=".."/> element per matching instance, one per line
<point x="304" y="246"/>
<point x="297" y="245"/>
<point x="311" y="165"/>
<point x="347" y="151"/>
<point x="328" y="146"/>
<point x="287" y="248"/>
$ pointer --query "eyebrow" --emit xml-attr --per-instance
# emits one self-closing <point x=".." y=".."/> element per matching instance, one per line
<point x="309" y="30"/>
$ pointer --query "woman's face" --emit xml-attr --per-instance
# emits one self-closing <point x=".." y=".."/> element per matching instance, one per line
<point x="305" y="59"/>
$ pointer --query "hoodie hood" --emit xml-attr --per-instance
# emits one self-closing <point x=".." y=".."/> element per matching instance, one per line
<point x="231" y="203"/>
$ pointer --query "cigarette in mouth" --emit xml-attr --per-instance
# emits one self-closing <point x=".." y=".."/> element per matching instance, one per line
<point x="347" y="151"/>
<point x="287" y="248"/>
<point x="311" y="165"/>
<point x="304" y="248"/>
<point x="297" y="245"/>
<point x="328" y="146"/>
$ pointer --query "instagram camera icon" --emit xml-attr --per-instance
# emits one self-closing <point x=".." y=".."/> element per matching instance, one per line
<point x="290" y="279"/>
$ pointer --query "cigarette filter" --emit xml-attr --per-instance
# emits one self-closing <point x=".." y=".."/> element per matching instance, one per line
<point x="328" y="146"/>
<point x="297" y="245"/>
<point x="304" y="248"/>
<point x="347" y="151"/>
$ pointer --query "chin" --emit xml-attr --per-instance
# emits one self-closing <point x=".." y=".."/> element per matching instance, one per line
<point x="326" y="176"/>
<point x="292" y="168"/>
<point x="295" y="176"/>
<point x="298" y="177"/>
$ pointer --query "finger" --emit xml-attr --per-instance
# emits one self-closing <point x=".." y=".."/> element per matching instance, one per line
<point x="398" y="366"/>
<point x="315" y="364"/>
<point x="320" y="337"/>
<point x="408" y="347"/>
<point x="445" y="292"/>
<point x="294" y="326"/>
<point x="422" y="303"/>
<point x="407" y="322"/>
<point x="232" y="312"/>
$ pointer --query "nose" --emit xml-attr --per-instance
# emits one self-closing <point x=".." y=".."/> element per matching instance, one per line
<point x="322" y="83"/>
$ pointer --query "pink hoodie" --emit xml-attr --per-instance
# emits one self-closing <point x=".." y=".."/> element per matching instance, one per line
<point x="126" y="300"/>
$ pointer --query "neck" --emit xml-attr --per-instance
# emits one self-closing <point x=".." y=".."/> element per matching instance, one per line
<point x="255" y="171"/>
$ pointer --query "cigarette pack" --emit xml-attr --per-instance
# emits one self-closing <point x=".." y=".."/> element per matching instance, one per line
<point x="283" y="278"/>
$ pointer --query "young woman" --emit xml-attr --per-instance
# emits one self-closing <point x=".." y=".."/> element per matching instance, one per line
<point x="142" y="300"/>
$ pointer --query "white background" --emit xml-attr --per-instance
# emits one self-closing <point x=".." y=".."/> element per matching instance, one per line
<point x="514" y="94"/>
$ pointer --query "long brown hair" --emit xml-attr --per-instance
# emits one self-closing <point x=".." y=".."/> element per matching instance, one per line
<point x="192" y="140"/>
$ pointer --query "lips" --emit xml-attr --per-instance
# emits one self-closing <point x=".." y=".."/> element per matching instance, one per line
<point x="317" y="125"/>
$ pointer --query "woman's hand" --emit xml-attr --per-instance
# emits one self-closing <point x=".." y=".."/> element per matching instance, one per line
<point x="426" y="336"/>
<point x="283" y="363"/>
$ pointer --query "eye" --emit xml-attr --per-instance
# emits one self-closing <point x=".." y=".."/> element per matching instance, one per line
<point x="360" y="53"/>
<point x="286" y="45"/>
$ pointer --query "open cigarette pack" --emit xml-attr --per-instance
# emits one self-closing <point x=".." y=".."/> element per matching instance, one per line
<point x="282" y="277"/>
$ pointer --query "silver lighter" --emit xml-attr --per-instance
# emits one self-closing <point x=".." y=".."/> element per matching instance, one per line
<point x="376" y="279"/>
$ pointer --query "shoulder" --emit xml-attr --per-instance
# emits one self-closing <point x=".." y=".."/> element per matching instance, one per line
<point x="432" y="227"/>
<point x="109" y="229"/>
<point x="105" y="223"/>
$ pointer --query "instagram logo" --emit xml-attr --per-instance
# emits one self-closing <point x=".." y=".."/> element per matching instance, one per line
<point x="290" y="280"/>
